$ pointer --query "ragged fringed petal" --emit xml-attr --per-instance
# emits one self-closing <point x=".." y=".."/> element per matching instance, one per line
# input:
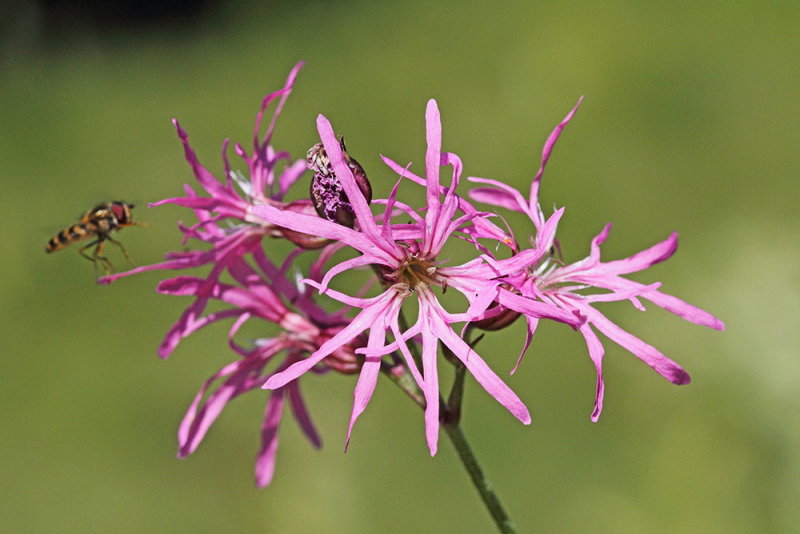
<point x="519" y="262"/>
<point x="367" y="318"/>
<point x="301" y="413"/>
<point x="534" y="308"/>
<point x="354" y="263"/>
<point x="433" y="156"/>
<point x="476" y="366"/>
<point x="442" y="226"/>
<point x="366" y="221"/>
<point x="265" y="460"/>
<point x="187" y="323"/>
<point x="501" y="195"/>
<point x="367" y="378"/>
<point x="289" y="176"/>
<point x="193" y="428"/>
<point x="240" y="376"/>
<point x="203" y="176"/>
<point x="430" y="373"/>
<point x="596" y="353"/>
<point x="641" y="260"/>
<point x="645" y="352"/>
<point x="482" y="228"/>
<point x="684" y="310"/>
<point x="532" y="324"/>
<point x="283" y="94"/>
<point x="546" y="151"/>
<point x="320" y="227"/>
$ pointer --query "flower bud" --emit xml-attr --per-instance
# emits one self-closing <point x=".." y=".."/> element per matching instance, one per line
<point x="498" y="318"/>
<point x="327" y="193"/>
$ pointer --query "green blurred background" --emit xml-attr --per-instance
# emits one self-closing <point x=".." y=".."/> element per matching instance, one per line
<point x="690" y="123"/>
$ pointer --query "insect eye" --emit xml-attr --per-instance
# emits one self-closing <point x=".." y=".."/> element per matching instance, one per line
<point x="118" y="209"/>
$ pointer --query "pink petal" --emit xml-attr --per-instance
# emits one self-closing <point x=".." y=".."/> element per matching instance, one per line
<point x="684" y="310"/>
<point x="510" y="200"/>
<point x="533" y="322"/>
<point x="546" y="151"/>
<point x="301" y="414"/>
<point x="366" y="319"/>
<point x="367" y="380"/>
<point x="533" y="308"/>
<point x="433" y="136"/>
<point x="290" y="175"/>
<point x="204" y="177"/>
<point x="487" y="378"/>
<point x="644" y="259"/>
<point x="284" y="94"/>
<point x="265" y="461"/>
<point x="596" y="353"/>
<point x="320" y="227"/>
<point x="430" y="386"/>
<point x="359" y="204"/>
<point x="647" y="353"/>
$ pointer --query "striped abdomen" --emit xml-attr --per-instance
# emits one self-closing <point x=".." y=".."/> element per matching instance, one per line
<point x="73" y="234"/>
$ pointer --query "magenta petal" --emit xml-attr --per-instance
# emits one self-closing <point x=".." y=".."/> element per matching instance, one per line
<point x="206" y="179"/>
<point x="359" y="204"/>
<point x="301" y="414"/>
<point x="290" y="175"/>
<point x="363" y="321"/>
<point x="642" y="260"/>
<point x="192" y="429"/>
<point x="546" y="151"/>
<point x="537" y="309"/>
<point x="503" y="199"/>
<point x="433" y="156"/>
<point x="430" y="387"/>
<point x="284" y="94"/>
<point x="596" y="353"/>
<point x="359" y="261"/>
<point x="684" y="310"/>
<point x="367" y="380"/>
<point x="645" y="352"/>
<point x="529" y="332"/>
<point x="487" y="378"/>
<point x="265" y="461"/>
<point x="320" y="227"/>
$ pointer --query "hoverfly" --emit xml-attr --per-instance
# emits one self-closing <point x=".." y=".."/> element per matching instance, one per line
<point x="98" y="222"/>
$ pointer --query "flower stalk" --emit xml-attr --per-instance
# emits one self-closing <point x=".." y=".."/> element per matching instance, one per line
<point x="484" y="487"/>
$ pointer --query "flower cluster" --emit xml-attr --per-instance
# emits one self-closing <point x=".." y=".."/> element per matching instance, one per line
<point x="398" y="251"/>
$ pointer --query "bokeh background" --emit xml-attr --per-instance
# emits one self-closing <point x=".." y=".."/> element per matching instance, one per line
<point x="690" y="123"/>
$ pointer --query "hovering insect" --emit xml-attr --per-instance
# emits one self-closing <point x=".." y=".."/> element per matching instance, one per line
<point x="98" y="222"/>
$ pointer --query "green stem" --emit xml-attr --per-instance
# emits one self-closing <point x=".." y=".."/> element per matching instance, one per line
<point x="450" y="416"/>
<point x="484" y="487"/>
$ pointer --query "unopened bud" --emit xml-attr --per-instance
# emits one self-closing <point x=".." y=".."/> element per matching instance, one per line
<point x="498" y="318"/>
<point x="327" y="193"/>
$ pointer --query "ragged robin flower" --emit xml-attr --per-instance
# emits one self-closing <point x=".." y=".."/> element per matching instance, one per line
<point x="407" y="256"/>
<point x="579" y="286"/>
<point x="233" y="246"/>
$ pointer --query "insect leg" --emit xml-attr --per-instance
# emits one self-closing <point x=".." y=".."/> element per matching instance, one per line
<point x="97" y="257"/>
<point x="124" y="252"/>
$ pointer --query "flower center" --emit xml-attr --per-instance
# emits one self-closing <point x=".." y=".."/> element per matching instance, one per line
<point x="416" y="271"/>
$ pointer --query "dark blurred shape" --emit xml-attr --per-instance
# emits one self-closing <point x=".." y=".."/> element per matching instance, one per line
<point x="63" y="17"/>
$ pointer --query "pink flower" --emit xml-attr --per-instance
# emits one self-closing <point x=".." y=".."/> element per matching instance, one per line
<point x="228" y="245"/>
<point x="575" y="287"/>
<point x="262" y="294"/>
<point x="407" y="257"/>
